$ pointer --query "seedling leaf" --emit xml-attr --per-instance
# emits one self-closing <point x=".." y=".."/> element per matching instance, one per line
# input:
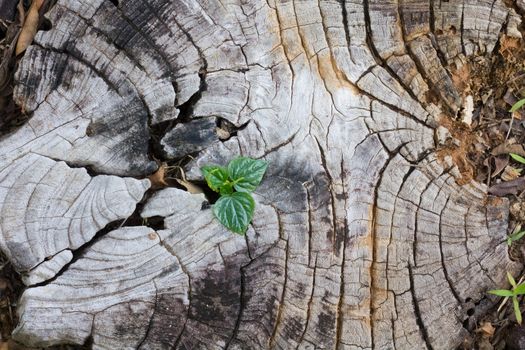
<point x="501" y="292"/>
<point x="235" y="207"/>
<point x="517" y="105"/>
<point x="517" y="158"/>
<point x="215" y="176"/>
<point x="227" y="188"/>
<point x="517" y="311"/>
<point x="519" y="290"/>
<point x="515" y="237"/>
<point x="246" y="173"/>
<point x="511" y="279"/>
<point x="235" y="211"/>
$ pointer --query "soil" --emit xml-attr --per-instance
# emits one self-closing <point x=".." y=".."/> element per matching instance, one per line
<point x="495" y="84"/>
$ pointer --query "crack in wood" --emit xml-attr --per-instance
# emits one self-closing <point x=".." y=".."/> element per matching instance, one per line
<point x="414" y="246"/>
<point x="420" y="67"/>
<point x="309" y="308"/>
<point x="242" y="305"/>
<point x="380" y="61"/>
<point x="151" y="317"/>
<point x="415" y="304"/>
<point x="277" y="322"/>
<point x="445" y="272"/>
<point x="373" y="233"/>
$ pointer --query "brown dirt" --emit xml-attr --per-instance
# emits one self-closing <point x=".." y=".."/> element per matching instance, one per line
<point x="459" y="153"/>
<point x="10" y="289"/>
<point x="11" y="286"/>
<point x="496" y="83"/>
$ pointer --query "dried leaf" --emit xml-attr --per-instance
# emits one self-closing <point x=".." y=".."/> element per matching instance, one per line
<point x="506" y="148"/>
<point x="500" y="163"/>
<point x="511" y="100"/>
<point x="222" y="133"/>
<point x="510" y="173"/>
<point x="485" y="97"/>
<point x="7" y="57"/>
<point x="30" y="27"/>
<point x="157" y="178"/>
<point x="486" y="330"/>
<point x="482" y="174"/>
<point x="190" y="187"/>
<point x="510" y="187"/>
<point x="488" y="110"/>
<point x="508" y="44"/>
<point x="517" y="210"/>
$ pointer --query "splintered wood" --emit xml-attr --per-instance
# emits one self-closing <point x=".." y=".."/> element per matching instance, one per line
<point x="362" y="236"/>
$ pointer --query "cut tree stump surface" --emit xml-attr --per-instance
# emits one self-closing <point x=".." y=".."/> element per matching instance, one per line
<point x="364" y="237"/>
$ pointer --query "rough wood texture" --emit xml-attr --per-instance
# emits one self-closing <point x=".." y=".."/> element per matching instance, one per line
<point x="363" y="238"/>
<point x="47" y="207"/>
<point x="189" y="138"/>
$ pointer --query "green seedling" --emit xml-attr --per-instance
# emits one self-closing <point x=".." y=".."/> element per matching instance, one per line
<point x="517" y="289"/>
<point x="235" y="207"/>
<point x="515" y="237"/>
<point x="517" y="158"/>
<point x="517" y="105"/>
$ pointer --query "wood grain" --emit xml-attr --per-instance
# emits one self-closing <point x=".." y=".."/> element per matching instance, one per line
<point x="363" y="237"/>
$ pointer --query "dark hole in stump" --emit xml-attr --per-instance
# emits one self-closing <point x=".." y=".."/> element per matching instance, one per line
<point x="45" y="25"/>
<point x="466" y="323"/>
<point x="210" y="194"/>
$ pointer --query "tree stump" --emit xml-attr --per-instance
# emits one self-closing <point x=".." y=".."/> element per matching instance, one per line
<point x="367" y="233"/>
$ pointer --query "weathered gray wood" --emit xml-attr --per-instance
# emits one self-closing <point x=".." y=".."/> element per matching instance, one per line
<point x="363" y="237"/>
<point x="47" y="269"/>
<point x="47" y="207"/>
<point x="189" y="138"/>
<point x="127" y="272"/>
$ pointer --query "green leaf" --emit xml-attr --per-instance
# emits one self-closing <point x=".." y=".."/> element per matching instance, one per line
<point x="517" y="311"/>
<point x="215" y="176"/>
<point x="520" y="289"/>
<point x="235" y="211"/>
<point x="227" y="188"/>
<point x="517" y="158"/>
<point x="517" y="105"/>
<point x="246" y="173"/>
<point x="515" y="236"/>
<point x="501" y="292"/>
<point x="511" y="279"/>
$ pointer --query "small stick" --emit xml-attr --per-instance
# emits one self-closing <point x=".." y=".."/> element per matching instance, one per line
<point x="510" y="126"/>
